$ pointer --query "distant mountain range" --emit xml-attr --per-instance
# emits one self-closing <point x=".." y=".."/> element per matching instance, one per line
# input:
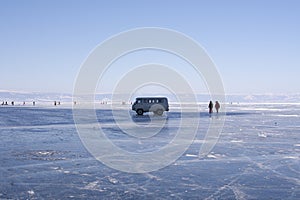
<point x="33" y="96"/>
<point x="66" y="97"/>
<point x="261" y="98"/>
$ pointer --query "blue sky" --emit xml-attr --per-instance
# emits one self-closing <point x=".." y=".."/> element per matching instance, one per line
<point x="254" y="44"/>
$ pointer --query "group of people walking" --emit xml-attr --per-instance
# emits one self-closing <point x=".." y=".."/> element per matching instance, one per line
<point x="13" y="103"/>
<point x="211" y="106"/>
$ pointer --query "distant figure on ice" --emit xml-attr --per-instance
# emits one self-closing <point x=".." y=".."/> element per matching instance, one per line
<point x="54" y="103"/>
<point x="33" y="103"/>
<point x="210" y="106"/>
<point x="217" y="106"/>
<point x="6" y="103"/>
<point x="12" y="103"/>
<point x="24" y="103"/>
<point x="2" y="103"/>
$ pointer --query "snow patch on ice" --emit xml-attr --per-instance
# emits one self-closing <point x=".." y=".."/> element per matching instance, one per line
<point x="238" y="193"/>
<point x="92" y="186"/>
<point x="191" y="155"/>
<point x="286" y="115"/>
<point x="211" y="156"/>
<point x="236" y="141"/>
<point x="153" y="177"/>
<point x="198" y="141"/>
<point x="215" y="156"/>
<point x="112" y="180"/>
<point x="262" y="134"/>
<point x="291" y="157"/>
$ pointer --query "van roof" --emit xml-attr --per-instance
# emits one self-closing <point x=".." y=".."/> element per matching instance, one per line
<point x="151" y="98"/>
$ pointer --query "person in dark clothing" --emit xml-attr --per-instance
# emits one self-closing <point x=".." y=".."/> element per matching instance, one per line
<point x="210" y="106"/>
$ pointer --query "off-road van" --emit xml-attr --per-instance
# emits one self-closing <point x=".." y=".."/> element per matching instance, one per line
<point x="156" y="105"/>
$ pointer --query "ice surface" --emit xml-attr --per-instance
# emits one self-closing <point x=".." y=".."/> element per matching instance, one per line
<point x="257" y="157"/>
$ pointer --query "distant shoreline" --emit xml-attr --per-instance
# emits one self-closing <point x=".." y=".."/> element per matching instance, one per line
<point x="49" y="98"/>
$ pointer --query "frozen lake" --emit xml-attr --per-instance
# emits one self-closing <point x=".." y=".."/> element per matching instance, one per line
<point x="257" y="156"/>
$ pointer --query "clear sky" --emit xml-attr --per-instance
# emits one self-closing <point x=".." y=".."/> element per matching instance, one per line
<point x="254" y="44"/>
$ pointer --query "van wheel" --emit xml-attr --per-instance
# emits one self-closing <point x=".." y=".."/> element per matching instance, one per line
<point x="140" y="112"/>
<point x="159" y="112"/>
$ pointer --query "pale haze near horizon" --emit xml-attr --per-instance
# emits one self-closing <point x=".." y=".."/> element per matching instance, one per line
<point x="254" y="44"/>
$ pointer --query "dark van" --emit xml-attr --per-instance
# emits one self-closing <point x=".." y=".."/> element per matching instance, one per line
<point x="156" y="105"/>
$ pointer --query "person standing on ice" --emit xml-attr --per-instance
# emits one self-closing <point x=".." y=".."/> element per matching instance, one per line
<point x="210" y="106"/>
<point x="217" y="106"/>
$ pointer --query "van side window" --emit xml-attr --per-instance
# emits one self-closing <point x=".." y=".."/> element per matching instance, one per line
<point x="150" y="101"/>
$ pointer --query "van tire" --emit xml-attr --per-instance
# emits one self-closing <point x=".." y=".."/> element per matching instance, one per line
<point x="159" y="112"/>
<point x="140" y="112"/>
